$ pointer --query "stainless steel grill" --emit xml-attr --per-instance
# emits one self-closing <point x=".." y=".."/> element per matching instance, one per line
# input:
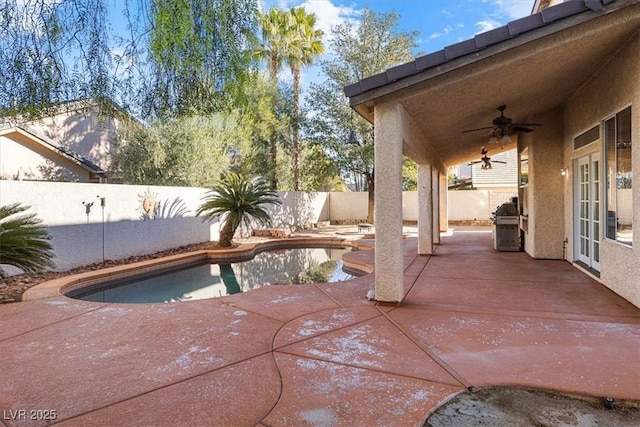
<point x="506" y="236"/>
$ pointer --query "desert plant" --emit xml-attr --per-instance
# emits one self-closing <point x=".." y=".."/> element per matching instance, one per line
<point x="237" y="201"/>
<point x="24" y="243"/>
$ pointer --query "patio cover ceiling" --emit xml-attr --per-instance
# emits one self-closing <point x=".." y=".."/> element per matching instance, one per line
<point x="533" y="71"/>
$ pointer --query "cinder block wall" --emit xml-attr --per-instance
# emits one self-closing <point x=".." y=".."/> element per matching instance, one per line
<point x="84" y="232"/>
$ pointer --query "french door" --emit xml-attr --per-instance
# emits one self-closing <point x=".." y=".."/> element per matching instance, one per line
<point x="587" y="212"/>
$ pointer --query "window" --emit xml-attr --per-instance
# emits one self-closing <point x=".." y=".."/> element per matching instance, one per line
<point x="587" y="138"/>
<point x="619" y="197"/>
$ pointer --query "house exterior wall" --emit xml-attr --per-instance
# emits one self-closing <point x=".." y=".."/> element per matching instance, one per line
<point x="22" y="158"/>
<point x="614" y="87"/>
<point x="543" y="198"/>
<point x="80" y="127"/>
<point x="501" y="176"/>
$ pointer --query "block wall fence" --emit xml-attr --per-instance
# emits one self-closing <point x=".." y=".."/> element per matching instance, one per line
<point x="94" y="222"/>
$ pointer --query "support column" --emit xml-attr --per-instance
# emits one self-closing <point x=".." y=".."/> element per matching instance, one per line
<point x="435" y="182"/>
<point x="444" y="203"/>
<point x="425" y="211"/>
<point x="388" y="137"/>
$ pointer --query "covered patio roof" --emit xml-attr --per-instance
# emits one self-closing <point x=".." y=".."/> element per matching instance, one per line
<point x="531" y="65"/>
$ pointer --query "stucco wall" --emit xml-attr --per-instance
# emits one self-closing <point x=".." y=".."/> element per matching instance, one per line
<point x="80" y="129"/>
<point x="476" y="204"/>
<point x="21" y="158"/>
<point x="73" y="214"/>
<point x="354" y="206"/>
<point x="546" y="233"/>
<point x="613" y="88"/>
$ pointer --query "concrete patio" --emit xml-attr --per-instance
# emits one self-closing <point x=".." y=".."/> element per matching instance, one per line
<point x="323" y="354"/>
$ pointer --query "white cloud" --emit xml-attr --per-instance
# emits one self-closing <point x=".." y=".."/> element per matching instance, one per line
<point x="513" y="9"/>
<point x="447" y="13"/>
<point x="328" y="15"/>
<point x="503" y="11"/>
<point x="446" y="30"/>
<point x="486" y="25"/>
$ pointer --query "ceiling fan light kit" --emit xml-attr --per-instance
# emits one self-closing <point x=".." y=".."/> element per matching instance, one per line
<point x="502" y="127"/>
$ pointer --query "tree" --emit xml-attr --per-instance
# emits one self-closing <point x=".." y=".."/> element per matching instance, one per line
<point x="288" y="37"/>
<point x="188" y="151"/>
<point x="237" y="201"/>
<point x="176" y="56"/>
<point x="370" y="47"/>
<point x="273" y="45"/>
<point x="306" y="45"/>
<point x="197" y="48"/>
<point x="24" y="243"/>
<point x="52" y="52"/>
<point x="265" y="115"/>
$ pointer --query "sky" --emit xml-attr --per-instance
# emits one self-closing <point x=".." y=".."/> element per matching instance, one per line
<point x="439" y="23"/>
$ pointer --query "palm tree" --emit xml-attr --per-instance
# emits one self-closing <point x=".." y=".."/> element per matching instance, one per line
<point x="237" y="202"/>
<point x="273" y="47"/>
<point x="288" y="37"/>
<point x="23" y="241"/>
<point x="306" y="45"/>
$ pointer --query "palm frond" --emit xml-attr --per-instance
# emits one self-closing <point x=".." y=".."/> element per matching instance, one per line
<point x="24" y="243"/>
<point x="237" y="201"/>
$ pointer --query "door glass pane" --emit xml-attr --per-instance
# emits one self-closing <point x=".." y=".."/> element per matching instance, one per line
<point x="619" y="177"/>
<point x="624" y="178"/>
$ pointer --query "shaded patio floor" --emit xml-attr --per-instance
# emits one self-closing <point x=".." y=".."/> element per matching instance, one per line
<point x="323" y="354"/>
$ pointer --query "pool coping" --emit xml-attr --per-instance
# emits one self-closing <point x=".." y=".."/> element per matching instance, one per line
<point x="71" y="283"/>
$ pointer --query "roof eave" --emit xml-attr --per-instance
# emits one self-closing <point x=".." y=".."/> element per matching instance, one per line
<point x="517" y="33"/>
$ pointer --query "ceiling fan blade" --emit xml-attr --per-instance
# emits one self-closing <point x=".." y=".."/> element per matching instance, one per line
<point x="526" y="124"/>
<point x="498" y="161"/>
<point x="473" y="130"/>
<point x="521" y="129"/>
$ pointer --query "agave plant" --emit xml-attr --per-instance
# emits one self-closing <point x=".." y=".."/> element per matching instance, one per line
<point x="24" y="243"/>
<point x="237" y="201"/>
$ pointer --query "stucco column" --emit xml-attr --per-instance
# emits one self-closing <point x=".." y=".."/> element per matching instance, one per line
<point x="435" y="183"/>
<point x="425" y="210"/>
<point x="444" y="201"/>
<point x="388" y="136"/>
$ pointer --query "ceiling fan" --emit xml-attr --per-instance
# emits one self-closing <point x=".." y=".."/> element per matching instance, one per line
<point x="485" y="160"/>
<point x="503" y="126"/>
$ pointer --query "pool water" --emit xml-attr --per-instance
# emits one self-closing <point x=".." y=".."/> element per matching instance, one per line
<point x="205" y="280"/>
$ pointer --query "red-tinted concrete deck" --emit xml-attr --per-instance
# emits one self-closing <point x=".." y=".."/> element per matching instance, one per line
<point x="322" y="354"/>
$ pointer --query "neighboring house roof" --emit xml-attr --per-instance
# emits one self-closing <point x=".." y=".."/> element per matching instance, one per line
<point x="532" y="65"/>
<point x="71" y="106"/>
<point x="50" y="145"/>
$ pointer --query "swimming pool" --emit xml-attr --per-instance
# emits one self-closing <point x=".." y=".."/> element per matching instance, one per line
<point x="202" y="279"/>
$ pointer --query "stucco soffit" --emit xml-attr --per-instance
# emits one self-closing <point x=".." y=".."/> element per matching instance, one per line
<point x="498" y="41"/>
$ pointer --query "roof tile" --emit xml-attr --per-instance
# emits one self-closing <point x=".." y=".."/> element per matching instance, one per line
<point x="401" y="71"/>
<point x="352" y="89"/>
<point x="593" y="4"/>
<point x="430" y="60"/>
<point x="374" y="81"/>
<point x="492" y="36"/>
<point x="460" y="49"/>
<point x="480" y="41"/>
<point x="525" y="24"/>
<point x="562" y="10"/>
